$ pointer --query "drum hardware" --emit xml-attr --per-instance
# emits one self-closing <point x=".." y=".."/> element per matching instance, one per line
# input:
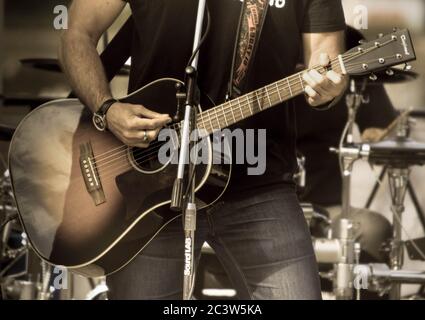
<point x="399" y="155"/>
<point x="348" y="153"/>
<point x="343" y="268"/>
<point x="343" y="230"/>
<point x="411" y="250"/>
<point x="418" y="113"/>
<point x="381" y="278"/>
<point x="34" y="286"/>
<point x="357" y="252"/>
<point x="99" y="292"/>
<point x="403" y="131"/>
<point x="310" y="213"/>
<point x="398" y="178"/>
<point x="44" y="291"/>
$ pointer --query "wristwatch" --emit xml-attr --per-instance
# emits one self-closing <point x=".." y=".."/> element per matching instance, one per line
<point x="99" y="117"/>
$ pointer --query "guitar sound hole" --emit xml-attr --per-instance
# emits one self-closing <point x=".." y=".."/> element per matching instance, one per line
<point x="147" y="160"/>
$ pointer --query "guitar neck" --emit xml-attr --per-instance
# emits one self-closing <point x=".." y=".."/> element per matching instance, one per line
<point x="245" y="106"/>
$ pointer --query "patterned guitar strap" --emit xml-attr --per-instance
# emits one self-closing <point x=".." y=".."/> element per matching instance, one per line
<point x="251" y="21"/>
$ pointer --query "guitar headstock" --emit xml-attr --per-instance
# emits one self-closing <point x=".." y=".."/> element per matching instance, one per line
<point x="387" y="51"/>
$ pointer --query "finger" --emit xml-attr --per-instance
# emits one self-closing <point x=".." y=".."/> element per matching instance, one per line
<point x="313" y="102"/>
<point x="323" y="84"/>
<point x="311" y="93"/>
<point x="143" y="111"/>
<point x="324" y="59"/>
<point x="148" y="124"/>
<point x="334" y="77"/>
<point x="150" y="135"/>
<point x="309" y="80"/>
<point x="130" y="140"/>
<point x="140" y="145"/>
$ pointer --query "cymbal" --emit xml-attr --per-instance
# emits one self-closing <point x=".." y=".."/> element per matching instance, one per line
<point x="390" y="76"/>
<point x="6" y="132"/>
<point x="53" y="65"/>
<point x="397" y="152"/>
<point x="399" y="145"/>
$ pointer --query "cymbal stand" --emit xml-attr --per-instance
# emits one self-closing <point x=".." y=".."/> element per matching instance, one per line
<point x="398" y="179"/>
<point x="344" y="230"/>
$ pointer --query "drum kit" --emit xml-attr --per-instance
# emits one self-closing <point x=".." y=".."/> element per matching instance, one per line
<point x="342" y="248"/>
<point x="338" y="243"/>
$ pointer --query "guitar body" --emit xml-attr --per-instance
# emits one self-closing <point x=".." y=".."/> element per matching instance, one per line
<point x="96" y="229"/>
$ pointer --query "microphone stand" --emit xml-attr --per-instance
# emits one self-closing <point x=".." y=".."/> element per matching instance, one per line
<point x="180" y="202"/>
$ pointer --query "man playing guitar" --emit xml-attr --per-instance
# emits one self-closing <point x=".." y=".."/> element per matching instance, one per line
<point x="258" y="230"/>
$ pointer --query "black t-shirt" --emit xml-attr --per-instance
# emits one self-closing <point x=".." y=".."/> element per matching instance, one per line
<point x="162" y="45"/>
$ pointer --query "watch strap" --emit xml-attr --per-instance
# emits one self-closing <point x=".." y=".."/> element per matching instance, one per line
<point x="105" y="107"/>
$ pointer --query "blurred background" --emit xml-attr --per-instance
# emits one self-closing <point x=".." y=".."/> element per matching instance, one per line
<point x="27" y="32"/>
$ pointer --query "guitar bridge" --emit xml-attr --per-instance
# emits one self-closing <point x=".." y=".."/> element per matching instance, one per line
<point x="90" y="174"/>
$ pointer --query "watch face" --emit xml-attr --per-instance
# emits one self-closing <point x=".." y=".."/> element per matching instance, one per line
<point x="99" y="122"/>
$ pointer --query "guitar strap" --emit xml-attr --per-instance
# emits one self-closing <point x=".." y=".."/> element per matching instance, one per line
<point x="251" y="21"/>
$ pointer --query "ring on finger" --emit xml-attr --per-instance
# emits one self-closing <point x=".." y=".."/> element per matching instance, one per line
<point x="145" y="136"/>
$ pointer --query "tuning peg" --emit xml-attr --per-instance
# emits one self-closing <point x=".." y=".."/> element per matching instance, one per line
<point x="373" y="77"/>
<point x="407" y="67"/>
<point x="390" y="72"/>
<point x="380" y="35"/>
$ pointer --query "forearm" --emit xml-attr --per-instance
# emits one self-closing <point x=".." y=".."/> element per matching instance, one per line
<point x="83" y="67"/>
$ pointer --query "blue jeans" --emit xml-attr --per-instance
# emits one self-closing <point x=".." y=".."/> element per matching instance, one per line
<point x="261" y="239"/>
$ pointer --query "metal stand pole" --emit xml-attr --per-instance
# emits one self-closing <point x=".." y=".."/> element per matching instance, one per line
<point x="398" y="181"/>
<point x="178" y="196"/>
<point x="343" y="270"/>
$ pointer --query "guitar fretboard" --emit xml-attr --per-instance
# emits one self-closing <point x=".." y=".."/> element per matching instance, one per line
<point x="245" y="106"/>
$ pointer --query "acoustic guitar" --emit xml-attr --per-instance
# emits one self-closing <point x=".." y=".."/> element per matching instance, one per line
<point x="91" y="204"/>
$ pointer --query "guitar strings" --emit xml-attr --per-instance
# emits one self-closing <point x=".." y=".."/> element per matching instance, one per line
<point x="141" y="155"/>
<point x="256" y="97"/>
<point x="102" y="157"/>
<point x="218" y="117"/>
<point x="144" y="156"/>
